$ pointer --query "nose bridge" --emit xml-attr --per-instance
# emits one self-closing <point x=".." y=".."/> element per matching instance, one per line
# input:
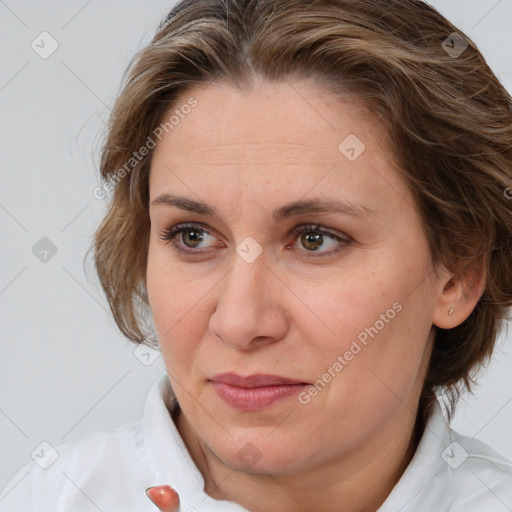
<point x="249" y="281"/>
<point x="247" y="308"/>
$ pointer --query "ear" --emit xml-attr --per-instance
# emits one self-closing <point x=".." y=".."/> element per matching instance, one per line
<point x="459" y="294"/>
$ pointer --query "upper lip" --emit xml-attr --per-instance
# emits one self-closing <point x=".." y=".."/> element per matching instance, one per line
<point x="256" y="380"/>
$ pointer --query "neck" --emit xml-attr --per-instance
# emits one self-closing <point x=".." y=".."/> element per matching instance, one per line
<point x="356" y="483"/>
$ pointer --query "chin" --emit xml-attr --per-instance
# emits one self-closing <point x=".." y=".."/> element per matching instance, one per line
<point x="260" y="455"/>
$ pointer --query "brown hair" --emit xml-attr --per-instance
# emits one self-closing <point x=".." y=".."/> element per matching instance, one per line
<point x="447" y="116"/>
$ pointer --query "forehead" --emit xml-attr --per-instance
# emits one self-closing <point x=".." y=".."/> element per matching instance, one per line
<point x="275" y="138"/>
<point x="274" y="113"/>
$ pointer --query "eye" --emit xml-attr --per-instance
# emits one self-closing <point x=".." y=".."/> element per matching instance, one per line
<point x="191" y="237"/>
<point x="311" y="237"/>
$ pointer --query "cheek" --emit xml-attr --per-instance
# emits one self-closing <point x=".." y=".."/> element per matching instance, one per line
<point x="176" y="307"/>
<point x="368" y="325"/>
<point x="345" y="305"/>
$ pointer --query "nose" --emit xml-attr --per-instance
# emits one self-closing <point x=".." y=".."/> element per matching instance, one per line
<point x="250" y="306"/>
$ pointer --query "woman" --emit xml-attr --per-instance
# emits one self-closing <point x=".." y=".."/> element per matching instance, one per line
<point x="310" y="204"/>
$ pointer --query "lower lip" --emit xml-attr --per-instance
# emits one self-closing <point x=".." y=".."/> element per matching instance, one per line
<point x="255" y="399"/>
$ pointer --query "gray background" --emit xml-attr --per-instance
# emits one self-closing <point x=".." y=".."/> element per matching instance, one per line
<point x="65" y="370"/>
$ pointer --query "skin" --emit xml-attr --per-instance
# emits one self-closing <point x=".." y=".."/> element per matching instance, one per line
<point x="288" y="313"/>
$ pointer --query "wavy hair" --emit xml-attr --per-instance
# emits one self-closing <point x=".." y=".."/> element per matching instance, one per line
<point x="447" y="116"/>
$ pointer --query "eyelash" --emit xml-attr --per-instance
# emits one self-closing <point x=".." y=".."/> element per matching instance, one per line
<point x="170" y="234"/>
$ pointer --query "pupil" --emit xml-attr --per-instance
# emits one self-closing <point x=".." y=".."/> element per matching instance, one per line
<point x="310" y="241"/>
<point x="194" y="236"/>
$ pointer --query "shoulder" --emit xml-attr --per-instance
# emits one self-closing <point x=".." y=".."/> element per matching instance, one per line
<point x="480" y="476"/>
<point x="451" y="472"/>
<point x="70" y="474"/>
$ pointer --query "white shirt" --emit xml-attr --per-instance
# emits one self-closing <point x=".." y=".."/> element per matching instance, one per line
<point x="109" y="471"/>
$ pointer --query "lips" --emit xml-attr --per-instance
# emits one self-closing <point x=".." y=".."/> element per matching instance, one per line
<point x="254" y="392"/>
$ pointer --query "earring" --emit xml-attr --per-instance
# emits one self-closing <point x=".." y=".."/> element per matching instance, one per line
<point x="451" y="312"/>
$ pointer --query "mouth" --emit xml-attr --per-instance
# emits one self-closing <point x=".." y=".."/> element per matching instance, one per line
<point x="254" y="392"/>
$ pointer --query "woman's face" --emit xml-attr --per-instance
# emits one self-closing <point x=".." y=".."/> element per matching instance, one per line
<point x="333" y="323"/>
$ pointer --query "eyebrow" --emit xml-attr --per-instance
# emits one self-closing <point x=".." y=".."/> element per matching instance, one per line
<point x="305" y="206"/>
